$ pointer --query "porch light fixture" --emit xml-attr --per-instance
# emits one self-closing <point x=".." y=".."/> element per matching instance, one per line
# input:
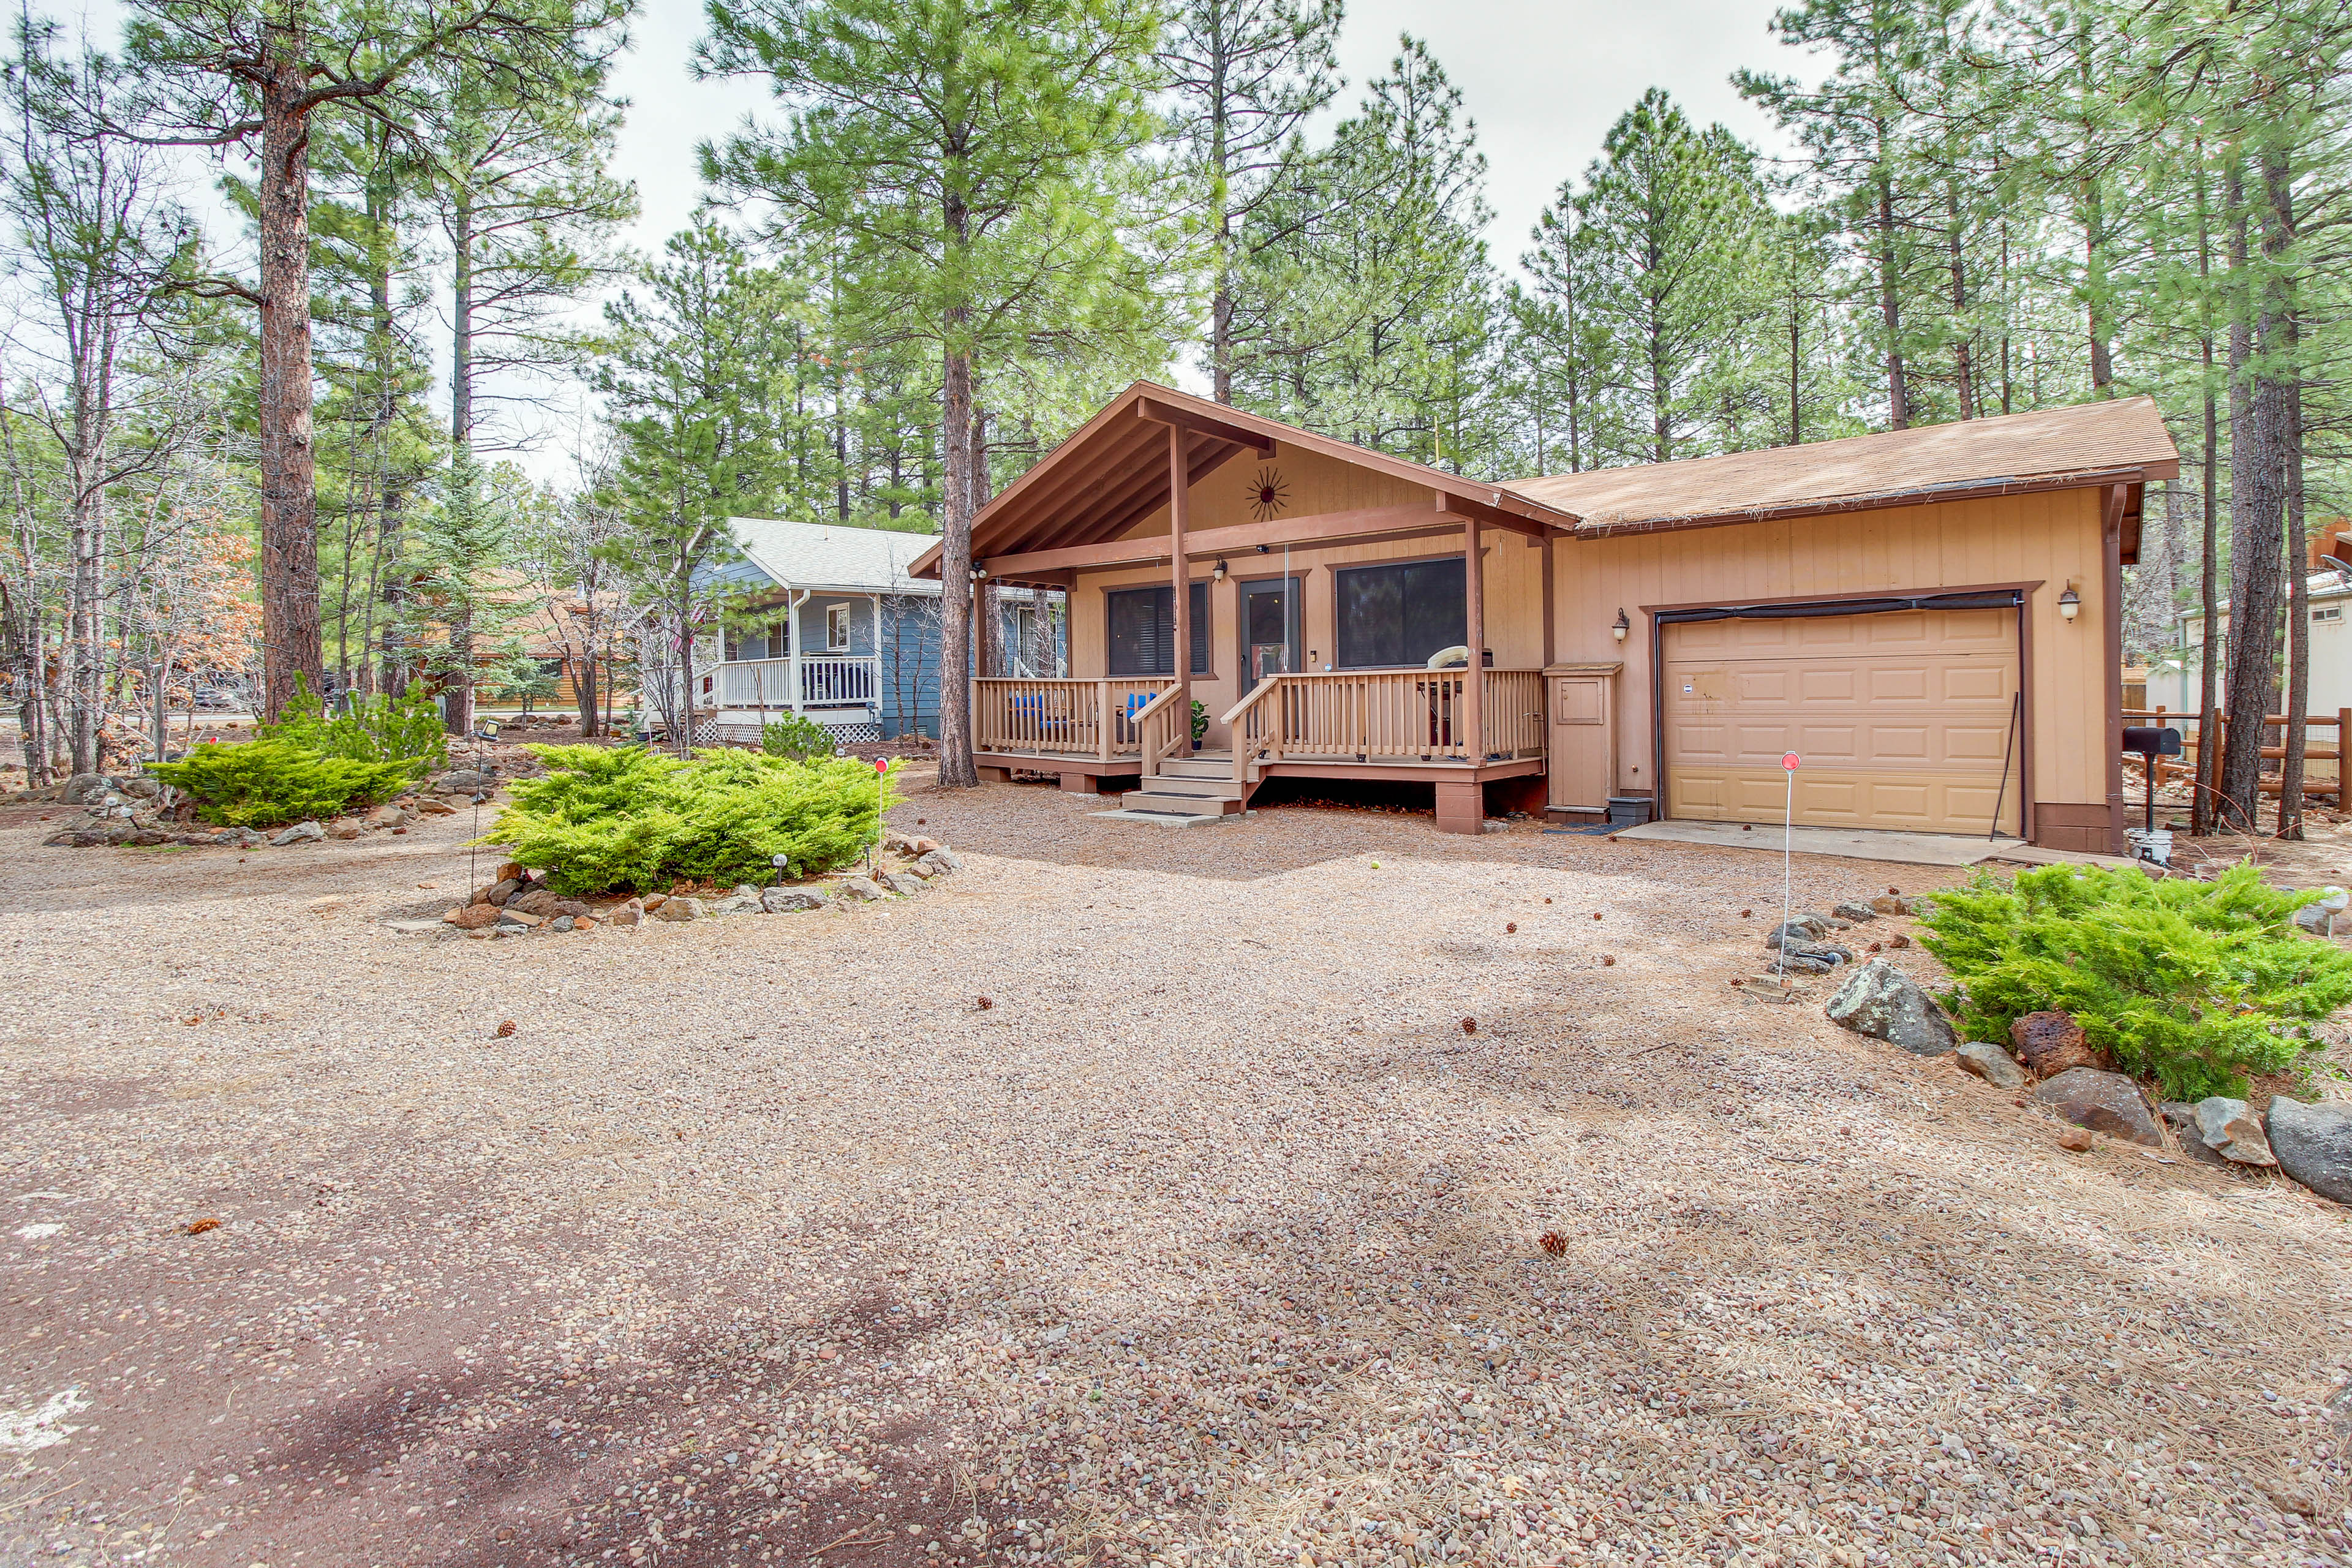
<point x="1622" y="626"/>
<point x="2069" y="605"/>
<point x="978" y="573"/>
<point x="1220" y="572"/>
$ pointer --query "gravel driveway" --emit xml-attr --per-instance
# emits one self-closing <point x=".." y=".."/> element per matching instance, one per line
<point x="1212" y="1235"/>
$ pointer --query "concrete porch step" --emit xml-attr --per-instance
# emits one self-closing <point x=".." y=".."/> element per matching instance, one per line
<point x="1177" y="804"/>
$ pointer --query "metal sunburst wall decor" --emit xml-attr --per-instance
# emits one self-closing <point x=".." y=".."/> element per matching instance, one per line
<point x="1269" y="494"/>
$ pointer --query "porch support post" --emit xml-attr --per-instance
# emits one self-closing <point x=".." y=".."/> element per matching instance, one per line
<point x="793" y="603"/>
<point x="1180" y="508"/>
<point x="1473" y="689"/>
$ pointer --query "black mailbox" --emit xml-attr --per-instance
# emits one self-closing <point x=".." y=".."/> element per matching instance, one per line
<point x="2152" y="741"/>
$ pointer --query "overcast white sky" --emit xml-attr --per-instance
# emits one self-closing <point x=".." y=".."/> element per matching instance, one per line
<point x="1543" y="80"/>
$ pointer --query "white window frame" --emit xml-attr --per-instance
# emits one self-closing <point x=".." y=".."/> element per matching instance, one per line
<point x="836" y="628"/>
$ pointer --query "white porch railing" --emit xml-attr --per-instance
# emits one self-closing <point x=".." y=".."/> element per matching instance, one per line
<point x="829" y="680"/>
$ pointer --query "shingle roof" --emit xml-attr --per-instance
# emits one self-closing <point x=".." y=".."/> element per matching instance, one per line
<point x="832" y="557"/>
<point x="2120" y="441"/>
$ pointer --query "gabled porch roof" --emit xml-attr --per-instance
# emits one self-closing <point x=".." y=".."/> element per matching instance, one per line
<point x="1115" y="470"/>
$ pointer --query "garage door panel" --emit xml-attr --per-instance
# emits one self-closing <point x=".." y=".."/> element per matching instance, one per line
<point x="1902" y="719"/>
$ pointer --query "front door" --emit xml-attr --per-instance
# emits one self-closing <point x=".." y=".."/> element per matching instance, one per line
<point x="1270" y="628"/>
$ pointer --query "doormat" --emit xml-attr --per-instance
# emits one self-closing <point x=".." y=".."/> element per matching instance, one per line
<point x="1588" y="827"/>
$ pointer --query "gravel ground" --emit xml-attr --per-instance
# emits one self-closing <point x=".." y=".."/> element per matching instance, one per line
<point x="1213" y="1236"/>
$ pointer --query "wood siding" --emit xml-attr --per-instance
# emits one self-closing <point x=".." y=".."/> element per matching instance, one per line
<point x="2048" y="539"/>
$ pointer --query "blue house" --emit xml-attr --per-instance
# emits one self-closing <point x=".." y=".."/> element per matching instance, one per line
<point x="826" y="622"/>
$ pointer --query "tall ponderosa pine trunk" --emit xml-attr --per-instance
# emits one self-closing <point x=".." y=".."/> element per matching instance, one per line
<point x="2254" y="538"/>
<point x="291" y="644"/>
<point x="1890" y="307"/>
<point x="957" y="768"/>
<point x="2287" y="374"/>
<point x="2209" y="754"/>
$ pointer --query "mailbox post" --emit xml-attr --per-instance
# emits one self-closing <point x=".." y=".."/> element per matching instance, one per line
<point x="2151" y="743"/>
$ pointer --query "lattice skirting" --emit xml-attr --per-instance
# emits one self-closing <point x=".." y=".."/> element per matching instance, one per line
<point x="855" y="735"/>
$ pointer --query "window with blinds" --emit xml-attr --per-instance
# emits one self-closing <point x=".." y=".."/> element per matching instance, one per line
<point x="1143" y="630"/>
<point x="1399" y="615"/>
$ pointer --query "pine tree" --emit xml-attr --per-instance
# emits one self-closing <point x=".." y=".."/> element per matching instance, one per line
<point x="972" y="157"/>
<point x="696" y="374"/>
<point x="1245" y="74"/>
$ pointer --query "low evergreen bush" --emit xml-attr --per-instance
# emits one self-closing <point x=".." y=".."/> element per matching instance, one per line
<point x="797" y="738"/>
<point x="265" y="783"/>
<point x="2192" y="983"/>
<point x="609" y="820"/>
<point x="406" y="729"/>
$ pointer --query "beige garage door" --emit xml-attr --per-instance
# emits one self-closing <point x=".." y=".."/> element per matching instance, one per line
<point x="1902" y="719"/>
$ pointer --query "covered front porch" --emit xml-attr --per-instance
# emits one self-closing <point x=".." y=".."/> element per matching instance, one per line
<point x="1390" y="726"/>
<point x="1324" y="611"/>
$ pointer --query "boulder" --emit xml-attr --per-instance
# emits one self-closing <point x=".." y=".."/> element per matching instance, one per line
<point x="572" y="906"/>
<point x="515" y="921"/>
<point x="1802" y="928"/>
<point x="1991" y="1064"/>
<point x="471" y="917"/>
<point x="1798" y="961"/>
<point x="790" y="900"/>
<point x="860" y="888"/>
<point x="2232" y="1130"/>
<point x="743" y="901"/>
<point x="2104" y="1102"/>
<point x="300" y="833"/>
<point x="436" y="808"/>
<point x="561" y="922"/>
<point x="2182" y="1119"/>
<point x="82" y="785"/>
<point x="1891" y="904"/>
<point x="677" y="909"/>
<point x="385" y="816"/>
<point x="345" y="830"/>
<point x="652" y="901"/>
<point x="900" y="882"/>
<point x="2320" y="918"/>
<point x="1852" y="911"/>
<point x="2314" y="1144"/>
<point x="626" y="914"/>
<point x="499" y="891"/>
<point x="142" y="787"/>
<point x="536" y="901"/>
<point x="2053" y="1043"/>
<point x="464" y="780"/>
<point x="1885" y="1004"/>
<point x="938" y="860"/>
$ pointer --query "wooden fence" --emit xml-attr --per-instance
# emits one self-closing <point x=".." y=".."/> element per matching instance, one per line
<point x="2323" y="760"/>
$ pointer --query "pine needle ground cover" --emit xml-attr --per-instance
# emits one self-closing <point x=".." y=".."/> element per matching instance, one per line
<point x="2193" y="983"/>
<point x="606" y="820"/>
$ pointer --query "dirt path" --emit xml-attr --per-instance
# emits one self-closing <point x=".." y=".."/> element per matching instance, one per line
<point x="1213" y="1236"/>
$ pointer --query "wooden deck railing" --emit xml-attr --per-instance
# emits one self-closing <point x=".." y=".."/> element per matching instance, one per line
<point x="2322" y="776"/>
<point x="1062" y="718"/>
<point x="1165" y="727"/>
<point x="1384" y="715"/>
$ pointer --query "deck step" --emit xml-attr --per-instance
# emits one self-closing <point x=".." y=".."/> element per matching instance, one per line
<point x="1177" y="804"/>
<point x="1185" y="784"/>
<point x="1196" y="767"/>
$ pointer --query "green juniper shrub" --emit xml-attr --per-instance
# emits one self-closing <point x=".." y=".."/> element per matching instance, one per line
<point x="2192" y="983"/>
<point x="406" y="729"/>
<point x="797" y="738"/>
<point x="261" y="784"/>
<point x="604" y="819"/>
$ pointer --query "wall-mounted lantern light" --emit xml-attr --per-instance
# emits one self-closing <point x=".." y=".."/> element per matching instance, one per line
<point x="1220" y="572"/>
<point x="1622" y="628"/>
<point x="2069" y="605"/>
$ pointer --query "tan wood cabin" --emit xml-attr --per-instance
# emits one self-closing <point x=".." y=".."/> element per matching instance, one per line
<point x="1927" y="618"/>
